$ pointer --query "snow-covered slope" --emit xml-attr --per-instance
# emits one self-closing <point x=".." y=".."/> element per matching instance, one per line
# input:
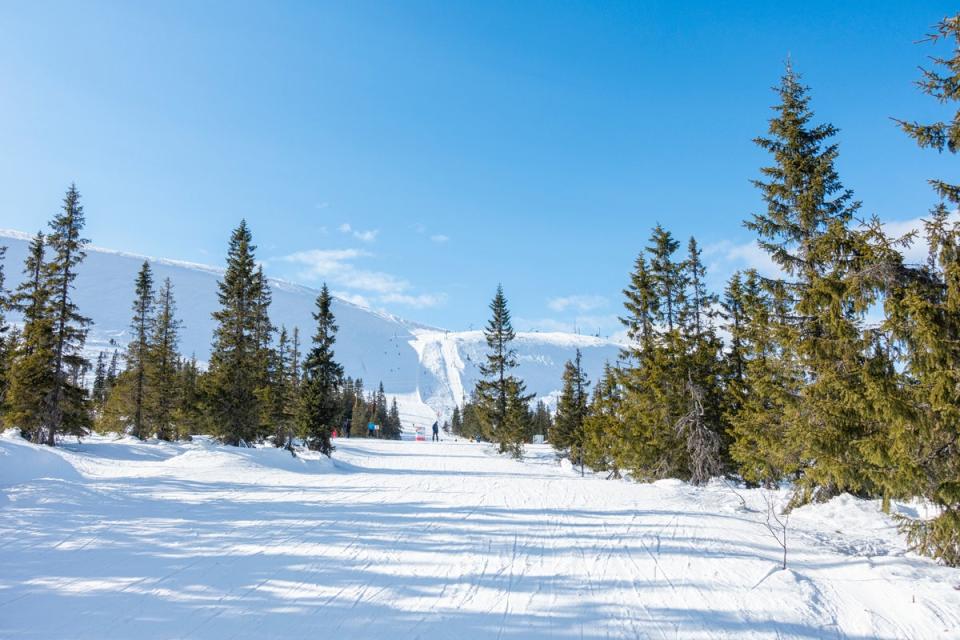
<point x="133" y="540"/>
<point x="428" y="370"/>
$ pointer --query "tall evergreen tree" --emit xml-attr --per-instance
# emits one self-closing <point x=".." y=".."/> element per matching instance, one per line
<point x="380" y="410"/>
<point x="4" y="330"/>
<point x="161" y="367"/>
<point x="655" y="382"/>
<point x="141" y="327"/>
<point x="806" y="229"/>
<point x="273" y="398"/>
<point x="541" y="424"/>
<point x="456" y="421"/>
<point x="567" y="436"/>
<point x="234" y="373"/>
<point x="98" y="393"/>
<point x="295" y="375"/>
<point x="923" y="310"/>
<point x="702" y="427"/>
<point x="65" y="408"/>
<point x="943" y="84"/>
<point x="32" y="362"/>
<point x="501" y="398"/>
<point x="393" y="427"/>
<point x="603" y="425"/>
<point x="267" y="357"/>
<point x="763" y="392"/>
<point x="190" y="415"/>
<point x="322" y="377"/>
<point x="359" y="417"/>
<point x="357" y="427"/>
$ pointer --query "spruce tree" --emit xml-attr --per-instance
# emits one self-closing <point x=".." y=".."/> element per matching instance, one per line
<point x="161" y="366"/>
<point x="141" y="328"/>
<point x="501" y="398"/>
<point x="923" y="454"/>
<point x="473" y="427"/>
<point x="702" y="427"/>
<point x="113" y="370"/>
<point x="65" y="408"/>
<point x="807" y="230"/>
<point x="98" y="393"/>
<point x="655" y="382"/>
<point x="359" y="417"/>
<point x="567" y="436"/>
<point x="190" y="414"/>
<point x="541" y="423"/>
<point x="456" y="422"/>
<point x="603" y="425"/>
<point x="923" y="311"/>
<point x="294" y="386"/>
<point x="765" y="384"/>
<point x="394" y="428"/>
<point x="380" y="410"/>
<point x="357" y="411"/>
<point x="11" y="342"/>
<point x="322" y="377"/>
<point x="943" y="84"/>
<point x="235" y="371"/>
<point x="32" y="362"/>
<point x="295" y="357"/>
<point x="4" y="330"/>
<point x="273" y="398"/>
<point x="266" y="355"/>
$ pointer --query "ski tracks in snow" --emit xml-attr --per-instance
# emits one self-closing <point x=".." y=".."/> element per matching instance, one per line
<point x="433" y="540"/>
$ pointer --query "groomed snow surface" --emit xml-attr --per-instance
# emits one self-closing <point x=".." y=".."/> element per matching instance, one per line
<point x="121" y="539"/>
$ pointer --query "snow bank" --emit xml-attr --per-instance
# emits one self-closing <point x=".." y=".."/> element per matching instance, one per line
<point x="21" y="462"/>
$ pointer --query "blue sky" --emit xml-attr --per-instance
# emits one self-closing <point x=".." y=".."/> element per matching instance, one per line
<point x="414" y="154"/>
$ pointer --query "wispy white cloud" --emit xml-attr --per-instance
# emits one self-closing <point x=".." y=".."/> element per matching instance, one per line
<point x="439" y="238"/>
<point x="917" y="251"/>
<point x="364" y="236"/>
<point x="727" y="257"/>
<point x="335" y="266"/>
<point x="354" y="298"/>
<point x="365" y="287"/>
<point x="577" y="302"/>
<point x="418" y="301"/>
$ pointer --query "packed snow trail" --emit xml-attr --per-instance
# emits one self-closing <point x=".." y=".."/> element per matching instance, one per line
<point x="423" y="540"/>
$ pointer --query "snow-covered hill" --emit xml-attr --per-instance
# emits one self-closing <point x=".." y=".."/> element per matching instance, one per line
<point x="428" y="370"/>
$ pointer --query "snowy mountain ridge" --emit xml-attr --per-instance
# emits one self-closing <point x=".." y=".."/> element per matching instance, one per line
<point x="427" y="369"/>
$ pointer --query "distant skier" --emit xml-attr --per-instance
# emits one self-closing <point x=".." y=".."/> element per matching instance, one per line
<point x="436" y="432"/>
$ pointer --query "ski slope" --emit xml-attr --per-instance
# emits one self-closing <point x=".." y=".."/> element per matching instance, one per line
<point x="119" y="539"/>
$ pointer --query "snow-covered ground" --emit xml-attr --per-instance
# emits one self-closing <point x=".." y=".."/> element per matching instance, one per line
<point x="119" y="539"/>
